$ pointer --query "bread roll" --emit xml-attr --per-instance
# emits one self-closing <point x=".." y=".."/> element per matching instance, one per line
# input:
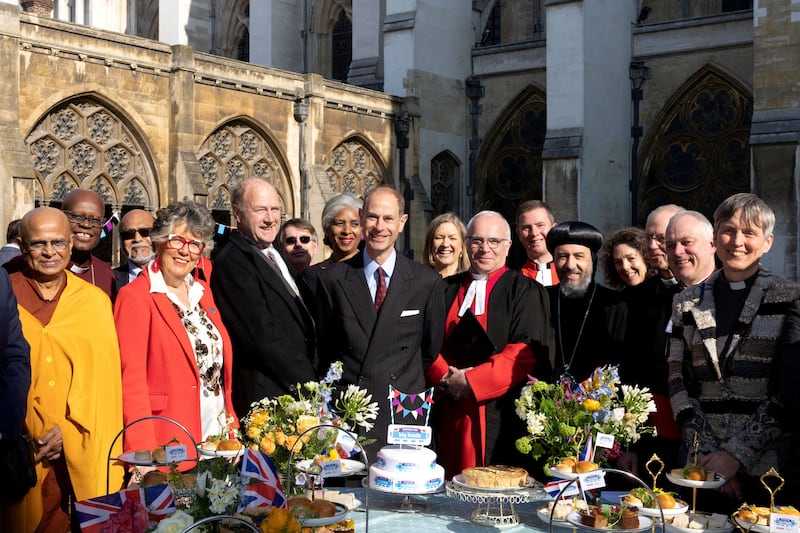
<point x="229" y="445"/>
<point x="323" y="508"/>
<point x="585" y="466"/>
<point x="153" y="478"/>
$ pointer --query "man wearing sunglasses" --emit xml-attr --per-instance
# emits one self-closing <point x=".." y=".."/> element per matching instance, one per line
<point x="298" y="242"/>
<point x="86" y="213"/>
<point x="134" y="233"/>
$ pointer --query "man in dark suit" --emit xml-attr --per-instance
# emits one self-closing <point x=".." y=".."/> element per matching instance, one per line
<point x="269" y="324"/>
<point x="15" y="363"/>
<point x="134" y="232"/>
<point x="380" y="313"/>
<point x="13" y="240"/>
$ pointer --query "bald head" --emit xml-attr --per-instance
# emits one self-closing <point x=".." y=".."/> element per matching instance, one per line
<point x="257" y="209"/>
<point x="690" y="247"/>
<point x="656" y="229"/>
<point x="46" y="243"/>
<point x="85" y="210"/>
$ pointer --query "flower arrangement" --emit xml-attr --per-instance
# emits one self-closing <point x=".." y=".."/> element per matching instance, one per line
<point x="560" y="415"/>
<point x="276" y="426"/>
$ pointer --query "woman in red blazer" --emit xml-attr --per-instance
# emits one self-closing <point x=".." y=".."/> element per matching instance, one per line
<point x="176" y="353"/>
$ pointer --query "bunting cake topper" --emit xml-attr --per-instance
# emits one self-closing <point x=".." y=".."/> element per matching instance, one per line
<point x="405" y="404"/>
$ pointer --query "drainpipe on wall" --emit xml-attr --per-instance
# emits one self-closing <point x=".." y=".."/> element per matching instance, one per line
<point x="475" y="91"/>
<point x="301" y="115"/>
<point x="401" y="128"/>
<point x="639" y="72"/>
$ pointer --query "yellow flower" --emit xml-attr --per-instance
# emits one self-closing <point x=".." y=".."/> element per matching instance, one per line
<point x="280" y="437"/>
<point x="305" y="422"/>
<point x="259" y="418"/>
<point x="291" y="440"/>
<point x="253" y="432"/>
<point x="591" y="405"/>
<point x="268" y="445"/>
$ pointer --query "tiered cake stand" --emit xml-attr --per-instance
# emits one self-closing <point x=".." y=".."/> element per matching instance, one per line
<point x="495" y="507"/>
<point x="406" y="505"/>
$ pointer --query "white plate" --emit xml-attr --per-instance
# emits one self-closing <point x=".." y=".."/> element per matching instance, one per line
<point x="349" y="466"/>
<point x="221" y="453"/>
<point x="341" y="514"/>
<point x="130" y="458"/>
<point x="680" y="508"/>
<point x="574" y="518"/>
<point x="458" y="480"/>
<point x="717" y="482"/>
<point x="544" y="515"/>
<point x="675" y="529"/>
<point x="749" y="526"/>
<point x="567" y="475"/>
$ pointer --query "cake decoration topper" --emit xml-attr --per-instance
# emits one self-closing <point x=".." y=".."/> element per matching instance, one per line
<point x="416" y="405"/>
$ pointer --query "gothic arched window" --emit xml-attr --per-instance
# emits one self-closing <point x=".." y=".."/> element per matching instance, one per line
<point x="353" y="168"/>
<point x="445" y="183"/>
<point x="341" y="47"/>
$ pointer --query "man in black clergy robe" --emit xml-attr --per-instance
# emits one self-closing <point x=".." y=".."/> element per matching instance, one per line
<point x="478" y="424"/>
<point x="270" y="327"/>
<point x="380" y="313"/>
<point x="588" y="319"/>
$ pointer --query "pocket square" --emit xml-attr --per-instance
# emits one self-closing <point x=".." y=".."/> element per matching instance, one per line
<point x="409" y="312"/>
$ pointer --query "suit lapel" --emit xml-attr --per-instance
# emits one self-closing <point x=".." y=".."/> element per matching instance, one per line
<point x="397" y="297"/>
<point x="703" y="313"/>
<point x="165" y="308"/>
<point x="354" y="287"/>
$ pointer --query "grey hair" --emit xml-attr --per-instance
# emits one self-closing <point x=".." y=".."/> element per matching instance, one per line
<point x="699" y="217"/>
<point x="755" y="212"/>
<point x="336" y="204"/>
<point x="196" y="217"/>
<point x="489" y="214"/>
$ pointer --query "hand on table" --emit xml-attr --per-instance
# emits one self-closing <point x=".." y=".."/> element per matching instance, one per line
<point x="50" y="445"/>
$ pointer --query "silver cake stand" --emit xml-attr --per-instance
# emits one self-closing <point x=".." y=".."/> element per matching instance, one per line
<point x="495" y="508"/>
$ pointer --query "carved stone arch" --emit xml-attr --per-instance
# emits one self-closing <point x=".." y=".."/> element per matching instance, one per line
<point x="239" y="148"/>
<point x="354" y="167"/>
<point x="508" y="168"/>
<point x="697" y="152"/>
<point x="445" y="183"/>
<point x="322" y="18"/>
<point x="234" y="21"/>
<point x="85" y="138"/>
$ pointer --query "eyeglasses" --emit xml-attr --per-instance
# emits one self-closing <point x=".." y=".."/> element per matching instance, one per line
<point x="77" y="218"/>
<point x="660" y="239"/>
<point x="177" y="242"/>
<point x="128" y="234"/>
<point x="39" y="246"/>
<point x="305" y="239"/>
<point x="493" y="242"/>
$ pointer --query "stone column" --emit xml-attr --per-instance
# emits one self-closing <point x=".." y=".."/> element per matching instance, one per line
<point x="183" y="164"/>
<point x="173" y="19"/>
<point x="275" y="33"/>
<point x="586" y="159"/>
<point x="42" y="8"/>
<point x="775" y="128"/>
<point x="366" y="68"/>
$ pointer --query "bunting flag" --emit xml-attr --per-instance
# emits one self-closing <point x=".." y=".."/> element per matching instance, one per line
<point x="259" y="466"/>
<point x="587" y="454"/>
<point x="154" y="503"/>
<point x="406" y="403"/>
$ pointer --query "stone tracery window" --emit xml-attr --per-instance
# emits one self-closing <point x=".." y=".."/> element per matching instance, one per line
<point x="353" y="169"/>
<point x="445" y="183"/>
<point x="83" y="144"/>
<point x="697" y="154"/>
<point x="235" y="151"/>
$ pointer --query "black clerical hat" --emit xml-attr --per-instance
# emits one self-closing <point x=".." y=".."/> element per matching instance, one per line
<point x="574" y="232"/>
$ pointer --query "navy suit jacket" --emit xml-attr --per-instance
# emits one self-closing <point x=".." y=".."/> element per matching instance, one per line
<point x="271" y="331"/>
<point x="394" y="346"/>
<point x="15" y="362"/>
<point x="122" y="273"/>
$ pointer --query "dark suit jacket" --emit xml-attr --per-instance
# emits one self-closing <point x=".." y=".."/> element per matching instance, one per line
<point x="394" y="346"/>
<point x="15" y="362"/>
<point x="271" y="331"/>
<point x="122" y="273"/>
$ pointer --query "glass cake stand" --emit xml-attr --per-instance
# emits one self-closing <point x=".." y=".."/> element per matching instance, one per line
<point x="406" y="505"/>
<point x="495" y="508"/>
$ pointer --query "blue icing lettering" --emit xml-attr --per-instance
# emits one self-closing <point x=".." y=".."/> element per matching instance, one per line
<point x="406" y="467"/>
<point x="433" y="483"/>
<point x="381" y="463"/>
<point x="406" y="484"/>
<point x="383" y="482"/>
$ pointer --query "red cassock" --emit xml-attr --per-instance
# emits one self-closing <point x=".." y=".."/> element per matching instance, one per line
<point x="482" y="428"/>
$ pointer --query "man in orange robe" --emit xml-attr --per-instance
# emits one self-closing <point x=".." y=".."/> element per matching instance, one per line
<point x="477" y="420"/>
<point x="75" y="400"/>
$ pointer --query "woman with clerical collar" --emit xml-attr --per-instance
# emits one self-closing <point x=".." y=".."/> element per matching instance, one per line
<point x="727" y="334"/>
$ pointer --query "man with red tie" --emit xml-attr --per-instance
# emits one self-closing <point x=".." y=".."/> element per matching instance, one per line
<point x="478" y="424"/>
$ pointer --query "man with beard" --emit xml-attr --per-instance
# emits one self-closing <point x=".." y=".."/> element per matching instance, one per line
<point x="134" y="231"/>
<point x="86" y="213"/>
<point x="588" y="320"/>
<point x="477" y="423"/>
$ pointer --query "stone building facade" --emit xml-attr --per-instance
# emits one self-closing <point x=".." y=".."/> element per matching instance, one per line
<point x="604" y="108"/>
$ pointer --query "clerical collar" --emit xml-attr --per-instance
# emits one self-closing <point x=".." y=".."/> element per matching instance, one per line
<point x="75" y="269"/>
<point x="668" y="282"/>
<point x="740" y="285"/>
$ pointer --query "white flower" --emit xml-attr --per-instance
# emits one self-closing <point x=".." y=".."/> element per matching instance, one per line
<point x="175" y="523"/>
<point x="535" y="422"/>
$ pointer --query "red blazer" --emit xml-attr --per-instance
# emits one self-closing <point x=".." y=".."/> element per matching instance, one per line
<point x="159" y="371"/>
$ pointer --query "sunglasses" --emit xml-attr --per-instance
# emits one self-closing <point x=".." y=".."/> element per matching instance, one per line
<point x="305" y="239"/>
<point x="127" y="234"/>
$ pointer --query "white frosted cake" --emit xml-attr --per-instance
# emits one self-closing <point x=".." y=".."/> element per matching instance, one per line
<point x="408" y="469"/>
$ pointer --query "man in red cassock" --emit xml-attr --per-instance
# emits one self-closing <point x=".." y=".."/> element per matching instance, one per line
<point x="477" y="423"/>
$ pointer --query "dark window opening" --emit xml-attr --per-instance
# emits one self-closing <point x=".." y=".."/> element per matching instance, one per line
<point x="243" y="48"/>
<point x="341" y="47"/>
<point x="491" y="33"/>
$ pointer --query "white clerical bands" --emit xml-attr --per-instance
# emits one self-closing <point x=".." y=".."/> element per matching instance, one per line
<point x="477" y="293"/>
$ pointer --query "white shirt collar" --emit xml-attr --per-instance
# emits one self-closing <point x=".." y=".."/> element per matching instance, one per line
<point x="370" y="266"/>
<point x="157" y="284"/>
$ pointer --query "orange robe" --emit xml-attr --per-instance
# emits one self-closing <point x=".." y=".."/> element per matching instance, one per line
<point x="76" y="385"/>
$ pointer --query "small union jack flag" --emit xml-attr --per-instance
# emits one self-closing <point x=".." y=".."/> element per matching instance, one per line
<point x="260" y="467"/>
<point x="93" y="513"/>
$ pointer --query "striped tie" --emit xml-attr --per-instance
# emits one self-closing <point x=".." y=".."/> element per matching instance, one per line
<point x="380" y="290"/>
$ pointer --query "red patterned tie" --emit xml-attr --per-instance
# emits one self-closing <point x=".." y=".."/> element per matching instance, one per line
<point x="380" y="290"/>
